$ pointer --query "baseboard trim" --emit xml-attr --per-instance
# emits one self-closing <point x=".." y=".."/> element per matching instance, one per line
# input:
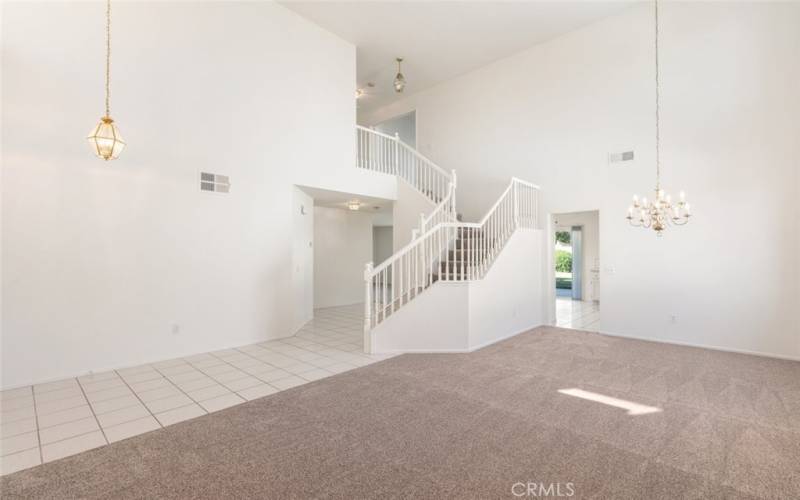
<point x="490" y="342"/>
<point x="461" y="351"/>
<point x="701" y="346"/>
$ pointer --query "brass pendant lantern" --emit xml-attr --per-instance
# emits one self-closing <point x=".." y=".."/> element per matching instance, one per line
<point x="399" y="80"/>
<point x="105" y="139"/>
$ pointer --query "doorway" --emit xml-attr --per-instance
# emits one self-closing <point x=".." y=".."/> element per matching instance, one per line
<point x="576" y="260"/>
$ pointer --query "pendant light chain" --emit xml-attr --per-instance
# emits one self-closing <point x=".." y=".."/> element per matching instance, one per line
<point x="105" y="139"/>
<point x="108" y="57"/>
<point x="658" y="117"/>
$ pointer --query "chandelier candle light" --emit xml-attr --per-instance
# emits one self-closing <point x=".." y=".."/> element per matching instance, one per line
<point x="661" y="212"/>
<point x="105" y="139"/>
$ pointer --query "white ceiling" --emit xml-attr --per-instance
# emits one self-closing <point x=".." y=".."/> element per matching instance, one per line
<point x="442" y="39"/>
<point x="338" y="199"/>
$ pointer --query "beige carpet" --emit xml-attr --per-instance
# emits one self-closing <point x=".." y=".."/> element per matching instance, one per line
<point x="473" y="425"/>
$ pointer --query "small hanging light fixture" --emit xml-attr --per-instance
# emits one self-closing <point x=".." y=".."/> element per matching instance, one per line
<point x="661" y="212"/>
<point x="105" y="139"/>
<point x="399" y="80"/>
<point x="353" y="205"/>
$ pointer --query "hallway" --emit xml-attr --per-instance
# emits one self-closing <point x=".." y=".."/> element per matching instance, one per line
<point x="577" y="314"/>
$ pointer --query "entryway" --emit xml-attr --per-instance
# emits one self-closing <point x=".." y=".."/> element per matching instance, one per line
<point x="576" y="259"/>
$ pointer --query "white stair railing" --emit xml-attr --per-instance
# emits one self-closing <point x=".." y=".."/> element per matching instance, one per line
<point x="388" y="154"/>
<point x="447" y="251"/>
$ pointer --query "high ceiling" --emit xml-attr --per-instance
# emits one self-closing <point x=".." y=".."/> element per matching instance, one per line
<point x="441" y="40"/>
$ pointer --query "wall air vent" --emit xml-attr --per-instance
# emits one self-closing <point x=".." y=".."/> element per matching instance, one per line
<point x="618" y="157"/>
<point x="214" y="182"/>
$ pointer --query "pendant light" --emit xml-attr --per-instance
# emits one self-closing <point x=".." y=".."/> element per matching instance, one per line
<point x="399" y="80"/>
<point x="661" y="212"/>
<point x="105" y="139"/>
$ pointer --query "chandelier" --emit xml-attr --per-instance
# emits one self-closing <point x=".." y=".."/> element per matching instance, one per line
<point x="661" y="212"/>
<point x="399" y="80"/>
<point x="105" y="139"/>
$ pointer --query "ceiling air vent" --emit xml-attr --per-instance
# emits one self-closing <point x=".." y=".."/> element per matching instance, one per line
<point x="618" y="157"/>
<point x="214" y="182"/>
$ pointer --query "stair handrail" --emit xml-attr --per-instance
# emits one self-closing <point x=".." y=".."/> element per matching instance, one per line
<point x="445" y="211"/>
<point x="433" y="255"/>
<point x="388" y="154"/>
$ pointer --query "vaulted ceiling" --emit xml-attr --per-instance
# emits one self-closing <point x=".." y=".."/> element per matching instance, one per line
<point x="441" y="40"/>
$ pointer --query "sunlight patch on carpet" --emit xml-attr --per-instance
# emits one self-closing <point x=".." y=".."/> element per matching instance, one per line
<point x="633" y="408"/>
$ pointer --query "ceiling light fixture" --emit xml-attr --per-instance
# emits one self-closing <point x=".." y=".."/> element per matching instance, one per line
<point x="399" y="80"/>
<point x="359" y="93"/>
<point x="105" y="139"/>
<point x="661" y="212"/>
<point x="354" y="204"/>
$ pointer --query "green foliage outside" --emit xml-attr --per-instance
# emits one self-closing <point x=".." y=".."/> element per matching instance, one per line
<point x="563" y="237"/>
<point x="563" y="261"/>
<point x="564" y="283"/>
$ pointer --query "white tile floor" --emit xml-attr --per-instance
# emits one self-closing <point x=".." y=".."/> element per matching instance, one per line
<point x="578" y="314"/>
<point x="45" y="422"/>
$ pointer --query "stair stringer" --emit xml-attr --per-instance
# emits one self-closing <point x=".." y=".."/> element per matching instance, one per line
<point x="467" y="315"/>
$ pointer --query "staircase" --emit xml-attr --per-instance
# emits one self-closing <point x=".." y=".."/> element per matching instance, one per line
<point x="443" y="249"/>
<point x="387" y="154"/>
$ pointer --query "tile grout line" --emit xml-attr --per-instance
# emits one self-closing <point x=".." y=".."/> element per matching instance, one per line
<point x="298" y="360"/>
<point x="181" y="390"/>
<point x="36" y="421"/>
<point x="89" y="404"/>
<point x="315" y="352"/>
<point x="248" y="374"/>
<point x="136" y="395"/>
<point x="339" y="351"/>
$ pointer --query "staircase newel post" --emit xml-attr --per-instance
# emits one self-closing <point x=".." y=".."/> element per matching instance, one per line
<point x="516" y="204"/>
<point x="367" y="308"/>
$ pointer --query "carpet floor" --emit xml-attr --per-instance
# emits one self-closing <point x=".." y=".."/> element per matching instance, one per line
<point x="489" y="424"/>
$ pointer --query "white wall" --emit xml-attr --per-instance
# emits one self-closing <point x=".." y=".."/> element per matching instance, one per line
<point x="100" y="260"/>
<point x="302" y="257"/>
<point x="342" y="247"/>
<point x="382" y="247"/>
<point x="729" y="138"/>
<point x="406" y="211"/>
<point x="464" y="316"/>
<point x="509" y="299"/>
<point x="590" y="223"/>
<point x="435" y="321"/>
<point x="404" y="125"/>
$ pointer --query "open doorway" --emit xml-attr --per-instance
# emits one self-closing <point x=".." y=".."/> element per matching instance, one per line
<point x="576" y="257"/>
